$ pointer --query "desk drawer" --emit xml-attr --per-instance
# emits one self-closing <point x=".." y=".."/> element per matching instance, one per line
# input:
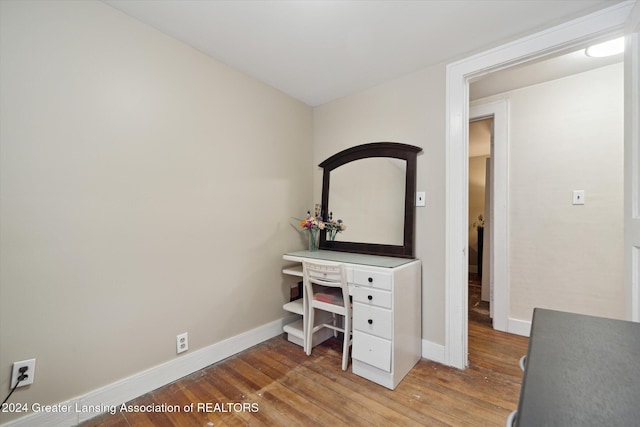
<point x="372" y="278"/>
<point x="370" y="296"/>
<point x="372" y="350"/>
<point x="373" y="320"/>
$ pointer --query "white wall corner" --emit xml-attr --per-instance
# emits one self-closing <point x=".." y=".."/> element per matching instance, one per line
<point x="122" y="391"/>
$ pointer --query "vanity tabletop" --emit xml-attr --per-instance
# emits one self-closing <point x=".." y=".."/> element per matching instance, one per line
<point x="349" y="258"/>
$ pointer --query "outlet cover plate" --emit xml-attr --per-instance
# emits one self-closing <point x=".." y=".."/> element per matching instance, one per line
<point x="182" y="342"/>
<point x="31" y="372"/>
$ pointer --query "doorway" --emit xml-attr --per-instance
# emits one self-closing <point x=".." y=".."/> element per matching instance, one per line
<point x="569" y="35"/>
<point x="480" y="137"/>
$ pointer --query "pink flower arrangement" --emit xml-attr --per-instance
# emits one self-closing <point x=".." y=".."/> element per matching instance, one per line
<point x="312" y="222"/>
<point x="316" y="222"/>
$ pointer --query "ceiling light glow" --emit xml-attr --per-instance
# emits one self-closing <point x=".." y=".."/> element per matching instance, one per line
<point x="608" y="48"/>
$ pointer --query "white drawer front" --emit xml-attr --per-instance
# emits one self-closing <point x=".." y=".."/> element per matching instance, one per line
<point x="371" y="296"/>
<point x="372" y="278"/>
<point x="373" y="320"/>
<point x="372" y="350"/>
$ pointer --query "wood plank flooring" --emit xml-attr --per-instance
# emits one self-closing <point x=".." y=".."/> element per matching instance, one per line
<point x="276" y="384"/>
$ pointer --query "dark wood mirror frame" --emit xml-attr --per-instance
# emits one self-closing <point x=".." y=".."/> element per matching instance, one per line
<point x="375" y="149"/>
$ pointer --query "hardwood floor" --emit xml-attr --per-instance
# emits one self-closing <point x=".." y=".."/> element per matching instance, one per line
<point x="276" y="384"/>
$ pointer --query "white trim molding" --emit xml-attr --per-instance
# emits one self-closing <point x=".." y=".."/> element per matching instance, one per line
<point x="519" y="327"/>
<point x="433" y="351"/>
<point x="122" y="391"/>
<point x="557" y="39"/>
<point x="632" y="164"/>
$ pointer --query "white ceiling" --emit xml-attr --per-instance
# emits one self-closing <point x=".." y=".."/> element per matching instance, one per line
<point x="318" y="51"/>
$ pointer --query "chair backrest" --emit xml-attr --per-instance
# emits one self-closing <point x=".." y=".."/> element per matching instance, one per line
<point x="323" y="273"/>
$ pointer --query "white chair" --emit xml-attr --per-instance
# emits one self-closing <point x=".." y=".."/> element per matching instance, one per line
<point x="326" y="289"/>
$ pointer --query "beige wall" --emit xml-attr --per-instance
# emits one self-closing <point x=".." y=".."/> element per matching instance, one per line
<point x="409" y="110"/>
<point x="567" y="135"/>
<point x="147" y="191"/>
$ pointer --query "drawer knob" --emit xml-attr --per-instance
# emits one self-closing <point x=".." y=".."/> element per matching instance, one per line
<point x="370" y="321"/>
<point x="370" y="279"/>
<point x="370" y="297"/>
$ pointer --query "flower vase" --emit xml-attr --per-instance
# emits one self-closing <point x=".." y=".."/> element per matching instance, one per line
<point x="313" y="239"/>
<point x="331" y="234"/>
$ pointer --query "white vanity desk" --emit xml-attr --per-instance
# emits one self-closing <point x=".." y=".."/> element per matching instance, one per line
<point x="387" y="323"/>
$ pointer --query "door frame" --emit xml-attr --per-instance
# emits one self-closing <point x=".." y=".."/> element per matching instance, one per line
<point x="572" y="34"/>
<point x="632" y="164"/>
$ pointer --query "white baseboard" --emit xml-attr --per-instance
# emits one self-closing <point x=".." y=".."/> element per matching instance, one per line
<point x="519" y="327"/>
<point x="122" y="391"/>
<point x="433" y="351"/>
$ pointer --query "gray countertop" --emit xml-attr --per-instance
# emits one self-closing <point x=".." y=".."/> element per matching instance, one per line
<point x="581" y="371"/>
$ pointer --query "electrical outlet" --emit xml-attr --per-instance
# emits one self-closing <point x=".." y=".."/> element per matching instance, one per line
<point x="30" y="372"/>
<point x="182" y="342"/>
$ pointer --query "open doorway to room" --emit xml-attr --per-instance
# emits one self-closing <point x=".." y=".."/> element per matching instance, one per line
<point x="572" y="35"/>
<point x="519" y="99"/>
<point x="480" y="136"/>
<point x="578" y="98"/>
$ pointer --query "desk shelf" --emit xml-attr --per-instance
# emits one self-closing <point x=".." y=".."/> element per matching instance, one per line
<point x="296" y="307"/>
<point x="293" y="271"/>
<point x="295" y="328"/>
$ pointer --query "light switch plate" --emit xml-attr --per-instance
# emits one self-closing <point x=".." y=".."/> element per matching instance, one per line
<point x="420" y="198"/>
<point x="578" y="197"/>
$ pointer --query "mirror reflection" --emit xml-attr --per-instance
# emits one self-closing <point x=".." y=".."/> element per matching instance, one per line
<point x="369" y="195"/>
<point x="371" y="187"/>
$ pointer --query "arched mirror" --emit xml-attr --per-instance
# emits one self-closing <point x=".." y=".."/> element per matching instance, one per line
<point x="372" y="188"/>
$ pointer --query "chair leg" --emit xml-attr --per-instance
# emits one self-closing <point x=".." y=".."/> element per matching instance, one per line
<point x="345" y="345"/>
<point x="308" y="338"/>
